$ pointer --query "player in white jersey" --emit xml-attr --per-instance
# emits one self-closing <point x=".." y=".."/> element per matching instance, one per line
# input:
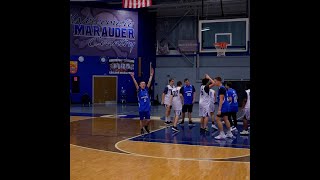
<point x="204" y="102"/>
<point x="166" y="100"/>
<point x="176" y="100"/>
<point x="213" y="97"/>
<point x="246" y="107"/>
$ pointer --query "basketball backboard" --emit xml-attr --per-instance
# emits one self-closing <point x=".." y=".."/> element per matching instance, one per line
<point x="233" y="31"/>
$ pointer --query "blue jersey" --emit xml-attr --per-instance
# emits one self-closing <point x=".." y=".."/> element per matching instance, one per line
<point x="187" y="92"/>
<point x="225" y="105"/>
<point x="144" y="100"/>
<point x="233" y="105"/>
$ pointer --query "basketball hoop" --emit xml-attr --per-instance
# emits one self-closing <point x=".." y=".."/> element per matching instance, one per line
<point x="221" y="48"/>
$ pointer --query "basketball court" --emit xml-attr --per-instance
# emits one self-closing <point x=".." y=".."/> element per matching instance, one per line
<point x="110" y="40"/>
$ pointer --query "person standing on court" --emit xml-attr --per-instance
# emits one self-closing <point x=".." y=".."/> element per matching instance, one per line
<point x="222" y="110"/>
<point x="204" y="102"/>
<point x="176" y="100"/>
<point x="213" y="97"/>
<point x="246" y="109"/>
<point x="144" y="102"/>
<point x="189" y="96"/>
<point x="233" y="106"/>
<point x="166" y="100"/>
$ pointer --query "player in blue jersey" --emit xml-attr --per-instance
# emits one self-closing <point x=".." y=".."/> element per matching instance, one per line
<point x="189" y="96"/>
<point x="233" y="106"/>
<point x="222" y="110"/>
<point x="144" y="102"/>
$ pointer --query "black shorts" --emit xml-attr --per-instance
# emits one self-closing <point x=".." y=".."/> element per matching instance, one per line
<point x="223" y="114"/>
<point x="187" y="108"/>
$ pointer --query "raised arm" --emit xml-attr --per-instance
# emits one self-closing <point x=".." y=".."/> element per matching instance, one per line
<point x="212" y="82"/>
<point x="134" y="80"/>
<point x="150" y="79"/>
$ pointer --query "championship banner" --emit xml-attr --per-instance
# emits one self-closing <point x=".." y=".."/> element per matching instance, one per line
<point x="73" y="67"/>
<point x="121" y="66"/>
<point x="103" y="32"/>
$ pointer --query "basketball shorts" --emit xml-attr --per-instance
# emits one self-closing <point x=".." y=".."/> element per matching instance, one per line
<point x="223" y="114"/>
<point x="204" y="111"/>
<point x="177" y="112"/>
<point x="144" y="115"/>
<point x="211" y="107"/>
<point x="187" y="108"/>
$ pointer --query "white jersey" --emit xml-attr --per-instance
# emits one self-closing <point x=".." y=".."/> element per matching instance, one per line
<point x="176" y="100"/>
<point x="204" y="97"/>
<point x="168" y="94"/>
<point x="211" y="94"/>
<point x="247" y="106"/>
<point x="204" y="103"/>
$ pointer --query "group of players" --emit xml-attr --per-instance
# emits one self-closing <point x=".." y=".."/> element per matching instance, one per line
<point x="181" y="99"/>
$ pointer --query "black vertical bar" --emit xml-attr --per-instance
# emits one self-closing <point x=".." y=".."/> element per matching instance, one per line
<point x="221" y="8"/>
<point x="202" y="17"/>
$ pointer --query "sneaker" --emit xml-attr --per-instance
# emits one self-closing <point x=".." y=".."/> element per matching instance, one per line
<point x="229" y="135"/>
<point x="167" y="123"/>
<point x="146" y="129"/>
<point x="181" y="123"/>
<point x="175" y="129"/>
<point x="233" y="128"/>
<point x="170" y="122"/>
<point x="244" y="132"/>
<point x="206" y="130"/>
<point x="191" y="123"/>
<point x="214" y="126"/>
<point x="220" y="136"/>
<point x="142" y="132"/>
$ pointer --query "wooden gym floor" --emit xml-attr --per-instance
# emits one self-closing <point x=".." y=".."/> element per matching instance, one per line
<point x="112" y="148"/>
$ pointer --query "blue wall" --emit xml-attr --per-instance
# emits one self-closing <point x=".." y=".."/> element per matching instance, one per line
<point x="146" y="50"/>
<point x="146" y="43"/>
<point x="92" y="66"/>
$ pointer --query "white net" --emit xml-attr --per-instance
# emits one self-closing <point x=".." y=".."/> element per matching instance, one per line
<point x="221" y="48"/>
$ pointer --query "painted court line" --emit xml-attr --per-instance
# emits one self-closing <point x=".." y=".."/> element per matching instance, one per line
<point x="129" y="139"/>
<point x="156" y="157"/>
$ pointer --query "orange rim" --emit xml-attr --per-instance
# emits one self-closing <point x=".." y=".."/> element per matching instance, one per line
<point x="221" y="44"/>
